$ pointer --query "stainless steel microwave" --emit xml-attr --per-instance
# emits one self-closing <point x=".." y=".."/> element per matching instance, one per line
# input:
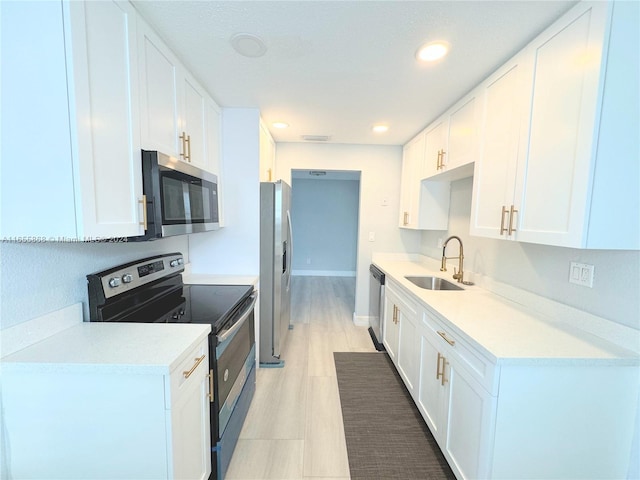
<point x="179" y="197"/>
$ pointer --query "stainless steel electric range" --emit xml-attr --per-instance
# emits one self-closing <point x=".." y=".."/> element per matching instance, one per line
<point x="151" y="290"/>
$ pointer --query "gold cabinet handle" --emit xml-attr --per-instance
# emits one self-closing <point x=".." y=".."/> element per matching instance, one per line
<point x="438" y="166"/>
<point x="210" y="385"/>
<point x="143" y="201"/>
<point x="438" y="373"/>
<point x="512" y="211"/>
<point x="187" y="373"/>
<point x="405" y="220"/>
<point x="443" y="379"/>
<point x="188" y="141"/>
<point x="183" y="153"/>
<point x="502" y="227"/>
<point x="447" y="339"/>
<point x="442" y="164"/>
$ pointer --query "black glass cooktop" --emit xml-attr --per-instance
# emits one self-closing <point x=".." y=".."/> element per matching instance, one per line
<point x="215" y="304"/>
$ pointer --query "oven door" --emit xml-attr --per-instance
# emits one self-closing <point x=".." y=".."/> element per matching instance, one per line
<point x="235" y="344"/>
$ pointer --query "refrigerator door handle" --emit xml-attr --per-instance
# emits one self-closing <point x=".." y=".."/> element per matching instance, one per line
<point x="290" y="253"/>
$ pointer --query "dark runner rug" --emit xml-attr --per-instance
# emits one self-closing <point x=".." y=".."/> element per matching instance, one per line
<point x="386" y="435"/>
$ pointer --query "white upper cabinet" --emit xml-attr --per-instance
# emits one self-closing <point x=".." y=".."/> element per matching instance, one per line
<point x="77" y="175"/>
<point x="494" y="179"/>
<point x="577" y="157"/>
<point x="424" y="205"/>
<point x="452" y="140"/>
<point x="179" y="117"/>
<point x="159" y="82"/>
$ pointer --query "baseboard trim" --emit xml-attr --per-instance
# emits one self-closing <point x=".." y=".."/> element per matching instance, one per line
<point x="323" y="273"/>
<point x="361" y="320"/>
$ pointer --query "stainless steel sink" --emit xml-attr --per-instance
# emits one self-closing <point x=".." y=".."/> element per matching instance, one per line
<point x="433" y="283"/>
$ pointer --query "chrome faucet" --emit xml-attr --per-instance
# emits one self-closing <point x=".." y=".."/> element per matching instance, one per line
<point x="443" y="268"/>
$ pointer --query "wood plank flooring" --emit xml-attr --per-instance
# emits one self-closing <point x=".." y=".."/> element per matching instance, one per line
<point x="294" y="427"/>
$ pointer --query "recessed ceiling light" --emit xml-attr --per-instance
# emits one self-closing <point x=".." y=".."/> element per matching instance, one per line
<point x="432" y="51"/>
<point x="380" y="128"/>
<point x="248" y="45"/>
<point x="280" y="125"/>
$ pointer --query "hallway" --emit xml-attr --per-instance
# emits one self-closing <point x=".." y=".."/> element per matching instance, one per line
<point x="294" y="427"/>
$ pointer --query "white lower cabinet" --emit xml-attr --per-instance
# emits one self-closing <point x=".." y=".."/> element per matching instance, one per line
<point x="85" y="419"/>
<point x="391" y="333"/>
<point x="456" y="407"/>
<point x="401" y="334"/>
<point x="493" y="418"/>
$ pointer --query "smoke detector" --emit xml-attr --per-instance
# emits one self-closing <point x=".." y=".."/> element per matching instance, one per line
<point x="248" y="45"/>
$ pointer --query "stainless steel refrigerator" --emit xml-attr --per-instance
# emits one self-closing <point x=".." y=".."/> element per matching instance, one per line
<point x="276" y="251"/>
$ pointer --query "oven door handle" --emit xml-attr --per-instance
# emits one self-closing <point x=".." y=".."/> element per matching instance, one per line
<point x="240" y="322"/>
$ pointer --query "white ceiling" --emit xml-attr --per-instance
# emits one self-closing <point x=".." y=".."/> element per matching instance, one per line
<point x="337" y="67"/>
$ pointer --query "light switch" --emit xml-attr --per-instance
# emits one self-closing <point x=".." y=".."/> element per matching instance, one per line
<point x="372" y="236"/>
<point x="581" y="274"/>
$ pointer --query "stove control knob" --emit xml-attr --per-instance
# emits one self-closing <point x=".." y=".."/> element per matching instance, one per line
<point x="175" y="316"/>
<point x="180" y="261"/>
<point x="114" y="282"/>
<point x="173" y="263"/>
<point x="181" y="312"/>
<point x="127" y="278"/>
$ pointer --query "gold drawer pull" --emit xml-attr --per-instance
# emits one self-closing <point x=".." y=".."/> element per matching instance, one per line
<point x="512" y="213"/>
<point x="186" y="373"/>
<point x="448" y="340"/>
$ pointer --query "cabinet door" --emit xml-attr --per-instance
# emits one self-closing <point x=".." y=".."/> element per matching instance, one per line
<point x="553" y="183"/>
<point x="470" y="423"/>
<point x="193" y="123"/>
<point x="159" y="76"/>
<point x="103" y="70"/>
<point x="431" y="396"/>
<point x="495" y="171"/>
<point x="412" y="162"/>
<point x="434" y="147"/>
<point x="408" y="346"/>
<point x="391" y="326"/>
<point x="462" y="145"/>
<point x="190" y="418"/>
<point x="214" y="138"/>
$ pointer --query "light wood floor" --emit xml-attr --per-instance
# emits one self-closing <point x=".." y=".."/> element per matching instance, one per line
<point x="294" y="427"/>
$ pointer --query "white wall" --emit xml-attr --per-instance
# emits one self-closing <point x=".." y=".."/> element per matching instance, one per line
<point x="39" y="278"/>
<point x="235" y="248"/>
<point x="544" y="270"/>
<point x="324" y="217"/>
<point x="380" y="168"/>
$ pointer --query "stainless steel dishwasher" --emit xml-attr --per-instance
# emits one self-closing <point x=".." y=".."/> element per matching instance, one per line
<point x="376" y="306"/>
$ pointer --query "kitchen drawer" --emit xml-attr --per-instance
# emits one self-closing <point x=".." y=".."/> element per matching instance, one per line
<point x="189" y="372"/>
<point x="460" y="350"/>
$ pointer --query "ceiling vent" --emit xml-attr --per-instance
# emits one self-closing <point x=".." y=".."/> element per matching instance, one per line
<point x="315" y="138"/>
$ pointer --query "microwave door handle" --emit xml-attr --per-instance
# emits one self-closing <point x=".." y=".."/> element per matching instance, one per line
<point x="290" y="249"/>
<point x="234" y="328"/>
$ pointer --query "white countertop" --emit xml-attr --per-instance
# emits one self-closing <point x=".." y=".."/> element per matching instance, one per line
<point x="506" y="332"/>
<point x="110" y="347"/>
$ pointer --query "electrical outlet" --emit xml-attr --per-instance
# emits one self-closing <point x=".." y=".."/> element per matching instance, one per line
<point x="581" y="274"/>
<point x="372" y="236"/>
<point x="385" y="201"/>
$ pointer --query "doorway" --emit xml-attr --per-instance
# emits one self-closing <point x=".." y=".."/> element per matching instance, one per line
<point x="325" y="209"/>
